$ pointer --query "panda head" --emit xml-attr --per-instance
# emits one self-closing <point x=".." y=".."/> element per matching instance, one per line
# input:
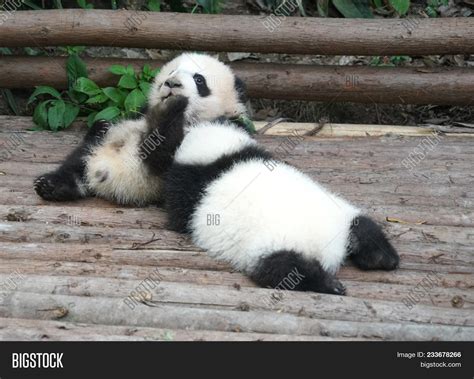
<point x="211" y="87"/>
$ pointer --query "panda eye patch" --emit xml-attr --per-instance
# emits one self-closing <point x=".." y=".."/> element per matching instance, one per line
<point x="201" y="85"/>
<point x="199" y="79"/>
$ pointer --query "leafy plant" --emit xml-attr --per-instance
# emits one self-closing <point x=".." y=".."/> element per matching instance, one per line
<point x="210" y="6"/>
<point x="354" y="9"/>
<point x="395" y="60"/>
<point x="6" y="93"/>
<point x="56" y="111"/>
<point x="84" y="5"/>
<point x="433" y="5"/>
<point x="363" y="8"/>
<point x="154" y="5"/>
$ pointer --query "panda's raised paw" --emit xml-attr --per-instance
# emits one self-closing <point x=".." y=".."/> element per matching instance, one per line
<point x="174" y="104"/>
<point x="52" y="188"/>
<point x="99" y="128"/>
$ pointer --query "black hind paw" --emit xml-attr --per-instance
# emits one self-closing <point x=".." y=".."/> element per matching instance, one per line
<point x="333" y="287"/>
<point x="51" y="187"/>
<point x="369" y="247"/>
<point x="291" y="271"/>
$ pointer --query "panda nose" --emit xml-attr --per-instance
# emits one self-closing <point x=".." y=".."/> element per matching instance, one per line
<point x="173" y="83"/>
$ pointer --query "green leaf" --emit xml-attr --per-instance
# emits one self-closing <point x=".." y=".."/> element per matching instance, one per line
<point x="146" y="69"/>
<point x="98" y="99"/>
<point x="323" y="7"/>
<point x="5" y="51"/>
<point x="145" y="87"/>
<point x="75" y="68"/>
<point x="90" y="119"/>
<point x="431" y="12"/>
<point x="107" y="114"/>
<point x="154" y="5"/>
<point x="130" y="70"/>
<point x="70" y="114"/>
<point x="128" y="81"/>
<point x="77" y="97"/>
<point x="43" y="90"/>
<point x="56" y="114"/>
<point x="154" y="72"/>
<point x="118" y="69"/>
<point x="248" y="123"/>
<point x="40" y="115"/>
<point x="115" y="94"/>
<point x="354" y="8"/>
<point x="86" y="86"/>
<point x="84" y="5"/>
<point x="401" y="6"/>
<point x="8" y="95"/>
<point x="210" y="6"/>
<point x="378" y="3"/>
<point x="134" y="101"/>
<point x="32" y="51"/>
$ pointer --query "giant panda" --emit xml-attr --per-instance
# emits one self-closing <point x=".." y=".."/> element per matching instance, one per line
<point x="262" y="216"/>
<point x="109" y="161"/>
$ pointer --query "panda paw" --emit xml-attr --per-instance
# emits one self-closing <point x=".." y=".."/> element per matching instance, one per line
<point x="50" y="187"/>
<point x="99" y="128"/>
<point x="174" y="105"/>
<point x="335" y="287"/>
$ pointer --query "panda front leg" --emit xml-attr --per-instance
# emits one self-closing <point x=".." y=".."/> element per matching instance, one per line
<point x="288" y="270"/>
<point x="165" y="123"/>
<point x="369" y="248"/>
<point x="67" y="182"/>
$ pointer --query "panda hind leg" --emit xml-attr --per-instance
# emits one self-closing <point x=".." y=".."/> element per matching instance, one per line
<point x="369" y="248"/>
<point x="289" y="270"/>
<point x="67" y="182"/>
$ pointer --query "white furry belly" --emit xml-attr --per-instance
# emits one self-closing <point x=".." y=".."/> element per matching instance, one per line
<point x="115" y="171"/>
<point x="251" y="211"/>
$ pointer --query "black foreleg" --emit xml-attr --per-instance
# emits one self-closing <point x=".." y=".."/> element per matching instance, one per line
<point x="165" y="133"/>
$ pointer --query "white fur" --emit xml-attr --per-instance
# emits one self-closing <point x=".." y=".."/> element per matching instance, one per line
<point x="261" y="211"/>
<point x="199" y="148"/>
<point x="127" y="179"/>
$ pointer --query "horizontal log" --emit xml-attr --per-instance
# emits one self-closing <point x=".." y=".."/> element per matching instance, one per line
<point x="444" y="85"/>
<point x="319" y="306"/>
<point x="14" y="329"/>
<point x="300" y="35"/>
<point x="113" y="311"/>
<point x="453" y="280"/>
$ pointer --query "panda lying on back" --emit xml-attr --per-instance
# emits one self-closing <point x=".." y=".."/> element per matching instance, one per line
<point x="109" y="162"/>
<point x="271" y="223"/>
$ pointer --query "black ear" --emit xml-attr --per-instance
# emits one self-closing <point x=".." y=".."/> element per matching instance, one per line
<point x="241" y="89"/>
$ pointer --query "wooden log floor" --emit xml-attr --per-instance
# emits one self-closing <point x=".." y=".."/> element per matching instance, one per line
<point x="68" y="270"/>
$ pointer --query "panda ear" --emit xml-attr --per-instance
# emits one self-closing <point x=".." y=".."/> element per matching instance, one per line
<point x="241" y="89"/>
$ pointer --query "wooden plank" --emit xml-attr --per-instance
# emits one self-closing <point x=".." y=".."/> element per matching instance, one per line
<point x="329" y="130"/>
<point x="297" y="35"/>
<point x="403" y="85"/>
<point x="112" y="311"/>
<point x="13" y="329"/>
<point x="414" y="257"/>
<point x="311" y="305"/>
<point x="32" y="232"/>
<point x="204" y="276"/>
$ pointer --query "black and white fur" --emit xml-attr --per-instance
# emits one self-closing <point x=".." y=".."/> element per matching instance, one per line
<point x="266" y="223"/>
<point x="109" y="163"/>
